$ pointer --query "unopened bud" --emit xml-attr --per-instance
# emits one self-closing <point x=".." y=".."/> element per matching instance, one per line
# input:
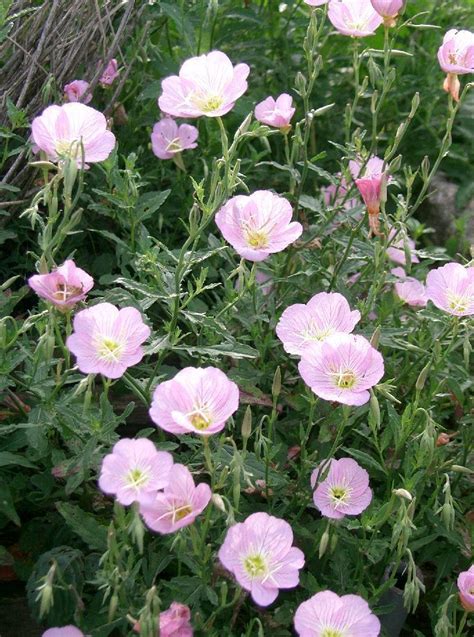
<point x="421" y="380"/>
<point x="374" y="411"/>
<point x="442" y="439"/>
<point x="458" y="469"/>
<point x="218" y="502"/>
<point x="403" y="493"/>
<point x="276" y="385"/>
<point x="374" y="341"/>
<point x="323" y="543"/>
<point x="246" y="429"/>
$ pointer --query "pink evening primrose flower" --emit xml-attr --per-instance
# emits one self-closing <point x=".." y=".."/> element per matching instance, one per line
<point x="328" y="615"/>
<point x="168" y="139"/>
<point x="258" y="225"/>
<point x="334" y="195"/>
<point x="344" y="491"/>
<point x="67" y="130"/>
<point x="134" y="468"/>
<point x="325" y="313"/>
<point x="64" y="287"/>
<point x="388" y="9"/>
<point x="409" y="290"/>
<point x="178" y="505"/>
<point x="110" y="73"/>
<point x="64" y="631"/>
<point x="174" y="622"/>
<point x="197" y="400"/>
<point x="206" y="85"/>
<point x="276" y="113"/>
<point x="456" y="57"/>
<point x="356" y="18"/>
<point x="466" y="589"/>
<point x="396" y="250"/>
<point x="77" y="91"/>
<point x="451" y="288"/>
<point x="342" y="368"/>
<point x="107" y="340"/>
<point x="260" y="555"/>
<point x="370" y="187"/>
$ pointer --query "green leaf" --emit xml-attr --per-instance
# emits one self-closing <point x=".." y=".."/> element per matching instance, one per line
<point x="84" y="525"/>
<point x="365" y="459"/>
<point x="9" y="459"/>
<point x="6" y="503"/>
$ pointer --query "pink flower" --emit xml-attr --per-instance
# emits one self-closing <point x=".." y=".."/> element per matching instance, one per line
<point x="354" y="17"/>
<point x="335" y="195"/>
<point x="206" y="85"/>
<point x="456" y="54"/>
<point x="107" y="340"/>
<point x="466" y="589"/>
<point x="456" y="57"/>
<point x="396" y="251"/>
<point x="178" y="505"/>
<point x="168" y="138"/>
<point x="323" y="315"/>
<point x="64" y="287"/>
<point x="197" y="400"/>
<point x="451" y="288"/>
<point x="276" y="113"/>
<point x="110" y="74"/>
<point x="328" y="615"/>
<point x="388" y="9"/>
<point x="409" y="289"/>
<point x="370" y="187"/>
<point x="63" y="131"/>
<point x="260" y="555"/>
<point x="134" y="468"/>
<point x="64" y="631"/>
<point x="77" y="91"/>
<point x="342" y="368"/>
<point x="258" y="225"/>
<point x="344" y="491"/>
<point x="175" y="622"/>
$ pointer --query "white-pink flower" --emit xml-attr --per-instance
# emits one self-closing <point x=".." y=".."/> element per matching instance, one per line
<point x="451" y="288"/>
<point x="342" y="368"/>
<point x="70" y="130"/>
<point x="276" y="113"/>
<point x="64" y="287"/>
<point x="197" y="400"/>
<point x="356" y="18"/>
<point x="107" y="340"/>
<point x="63" y="631"/>
<point x="466" y="589"/>
<point x="323" y="315"/>
<point x="409" y="290"/>
<point x="178" y="505"/>
<point x="135" y="468"/>
<point x="396" y="251"/>
<point x="168" y="139"/>
<point x="258" y="225"/>
<point x="456" y="54"/>
<point x="110" y="73"/>
<point x="344" y="491"/>
<point x="260" y="555"/>
<point x="328" y="615"/>
<point x="388" y="8"/>
<point x="78" y="91"/>
<point x="206" y="85"/>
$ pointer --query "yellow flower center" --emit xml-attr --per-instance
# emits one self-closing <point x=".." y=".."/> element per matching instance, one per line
<point x="457" y="302"/>
<point x="330" y="632"/>
<point x="346" y="379"/>
<point x="339" y="495"/>
<point x="199" y="421"/>
<point x="66" y="148"/>
<point x="110" y="350"/>
<point x="174" y="146"/>
<point x="181" y="512"/>
<point x="255" y="565"/>
<point x="136" y="478"/>
<point x="257" y="239"/>
<point x="207" y="103"/>
<point x="313" y="334"/>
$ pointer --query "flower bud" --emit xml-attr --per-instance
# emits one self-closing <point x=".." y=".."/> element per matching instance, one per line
<point x="218" y="502"/>
<point x="276" y="385"/>
<point x="420" y="381"/>
<point x="323" y="544"/>
<point x="442" y="439"/>
<point x="246" y="429"/>
<point x="403" y="493"/>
